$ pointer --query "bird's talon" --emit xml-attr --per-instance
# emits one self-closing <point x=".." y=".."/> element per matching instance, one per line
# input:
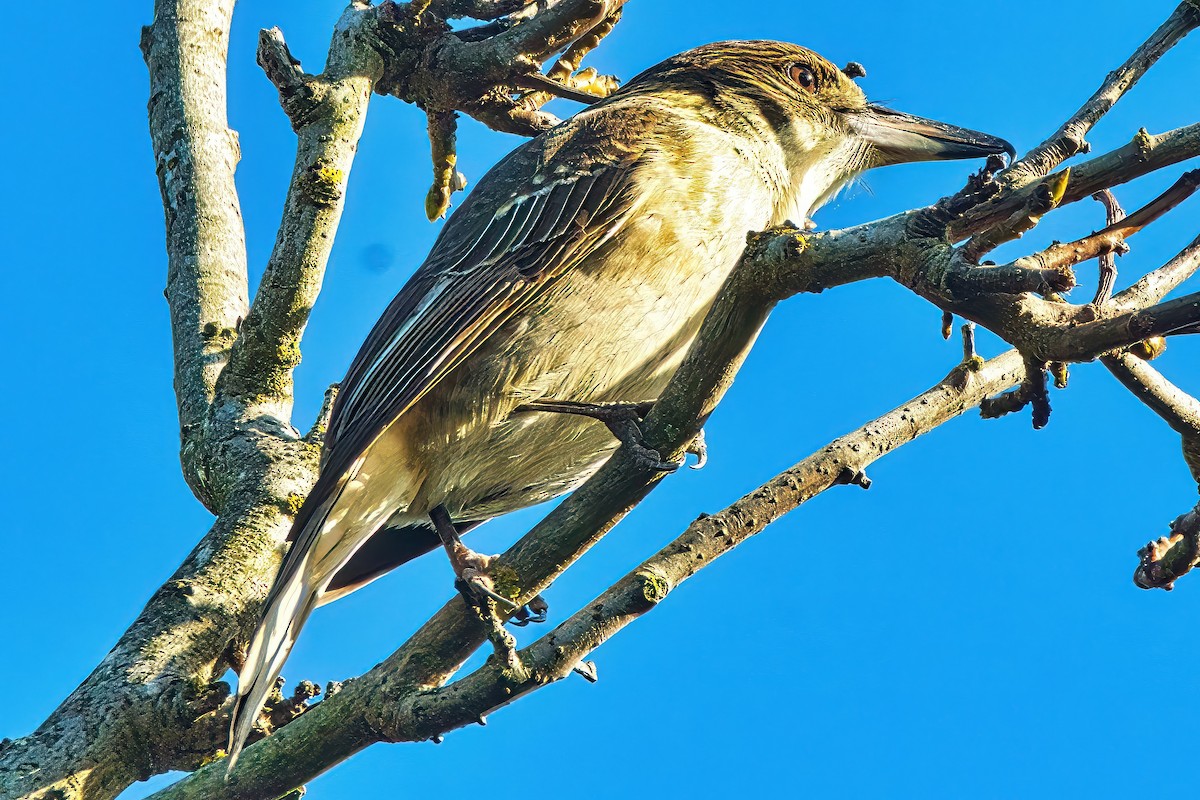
<point x="532" y="612"/>
<point x="538" y="605"/>
<point x="698" y="448"/>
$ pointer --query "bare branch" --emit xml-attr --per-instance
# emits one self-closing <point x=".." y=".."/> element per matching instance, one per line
<point x="446" y="178"/>
<point x="476" y="9"/>
<point x="563" y="71"/>
<point x="185" y="50"/>
<point x="328" y="112"/>
<point x="1108" y="261"/>
<point x="1045" y="197"/>
<point x="1068" y="140"/>
<point x="1145" y="154"/>
<point x="1176" y="407"/>
<point x="316" y="434"/>
<point x="1111" y="239"/>
<point x="1156" y="285"/>
<point x="395" y="709"/>
<point x="541" y="36"/>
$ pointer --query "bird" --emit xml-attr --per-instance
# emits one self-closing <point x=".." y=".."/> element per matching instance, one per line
<point x="578" y="270"/>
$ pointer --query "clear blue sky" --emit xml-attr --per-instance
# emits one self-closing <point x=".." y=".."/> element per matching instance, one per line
<point x="968" y="627"/>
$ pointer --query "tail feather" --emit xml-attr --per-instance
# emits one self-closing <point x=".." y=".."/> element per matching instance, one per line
<point x="272" y="642"/>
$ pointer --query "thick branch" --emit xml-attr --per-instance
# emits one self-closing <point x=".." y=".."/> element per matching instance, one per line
<point x="137" y="714"/>
<point x="1068" y="140"/>
<point x="134" y="716"/>
<point x="195" y="156"/>
<point x="479" y="72"/>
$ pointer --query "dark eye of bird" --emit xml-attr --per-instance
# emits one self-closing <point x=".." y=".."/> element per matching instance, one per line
<point x="803" y="77"/>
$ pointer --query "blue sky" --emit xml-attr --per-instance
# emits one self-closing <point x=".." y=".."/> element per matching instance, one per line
<point x="968" y="627"/>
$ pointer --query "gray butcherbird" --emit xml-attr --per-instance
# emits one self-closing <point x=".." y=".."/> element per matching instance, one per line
<point x="579" y="269"/>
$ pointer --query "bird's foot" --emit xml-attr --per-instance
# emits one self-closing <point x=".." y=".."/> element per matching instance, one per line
<point x="473" y="580"/>
<point x="624" y="421"/>
<point x="475" y="584"/>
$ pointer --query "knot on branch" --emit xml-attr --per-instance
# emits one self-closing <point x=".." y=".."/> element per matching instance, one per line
<point x="1166" y="560"/>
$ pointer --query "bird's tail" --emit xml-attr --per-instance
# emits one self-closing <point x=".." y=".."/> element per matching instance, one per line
<point x="269" y="648"/>
<point x="292" y="598"/>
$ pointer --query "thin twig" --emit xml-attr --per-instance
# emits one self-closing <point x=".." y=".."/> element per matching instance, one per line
<point x="1112" y="237"/>
<point x="446" y="177"/>
<point x="1069" y="140"/>
<point x="1146" y="153"/>
<point x="591" y="85"/>
<point x="1113" y="214"/>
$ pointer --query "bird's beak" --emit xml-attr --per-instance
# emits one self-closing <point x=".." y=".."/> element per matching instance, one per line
<point x="898" y="138"/>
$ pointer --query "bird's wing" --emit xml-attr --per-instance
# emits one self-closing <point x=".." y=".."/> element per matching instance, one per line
<point x="471" y="290"/>
<point x="482" y="272"/>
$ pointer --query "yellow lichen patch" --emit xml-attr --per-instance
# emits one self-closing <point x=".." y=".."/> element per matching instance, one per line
<point x="505" y="581"/>
<point x="288" y="353"/>
<point x="654" y="587"/>
<point x="1057" y="184"/>
<point x="1149" y="349"/>
<point x="293" y="503"/>
<point x="323" y="183"/>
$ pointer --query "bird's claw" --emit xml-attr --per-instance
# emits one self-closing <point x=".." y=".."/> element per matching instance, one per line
<point x="475" y="582"/>
<point x="479" y="586"/>
<point x="534" y="611"/>
<point x="650" y="459"/>
<point x="698" y="447"/>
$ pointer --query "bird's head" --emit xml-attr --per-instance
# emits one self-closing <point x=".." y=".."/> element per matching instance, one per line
<point x="817" y="116"/>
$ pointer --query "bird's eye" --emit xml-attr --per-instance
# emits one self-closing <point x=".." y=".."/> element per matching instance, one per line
<point x="803" y="77"/>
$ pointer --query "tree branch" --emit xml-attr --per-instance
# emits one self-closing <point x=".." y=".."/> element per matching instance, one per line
<point x="1068" y="140"/>
<point x="1169" y="558"/>
<point x="775" y="265"/>
<point x="1176" y="407"/>
<point x="1146" y="153"/>
<point x="195" y="155"/>
<point x="384" y="705"/>
<point x="328" y="112"/>
<point x="137" y="714"/>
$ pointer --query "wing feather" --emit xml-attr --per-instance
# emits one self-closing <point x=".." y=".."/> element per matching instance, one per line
<point x="470" y="286"/>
